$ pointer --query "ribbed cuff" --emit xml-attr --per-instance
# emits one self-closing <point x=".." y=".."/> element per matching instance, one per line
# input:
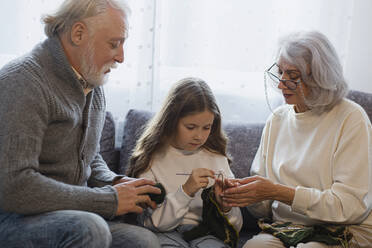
<point x="182" y="197"/>
<point x="104" y="202"/>
<point x="301" y="200"/>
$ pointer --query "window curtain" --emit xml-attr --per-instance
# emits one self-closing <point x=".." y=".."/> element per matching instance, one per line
<point x="227" y="43"/>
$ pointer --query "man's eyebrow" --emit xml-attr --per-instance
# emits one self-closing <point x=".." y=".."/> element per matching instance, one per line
<point x="121" y="39"/>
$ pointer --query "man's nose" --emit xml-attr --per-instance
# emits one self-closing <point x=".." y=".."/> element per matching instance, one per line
<point x="119" y="57"/>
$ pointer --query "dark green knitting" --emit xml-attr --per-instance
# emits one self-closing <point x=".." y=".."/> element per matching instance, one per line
<point x="292" y="234"/>
<point x="214" y="222"/>
<point x="158" y="198"/>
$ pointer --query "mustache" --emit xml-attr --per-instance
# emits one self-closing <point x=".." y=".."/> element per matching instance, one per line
<point x="109" y="66"/>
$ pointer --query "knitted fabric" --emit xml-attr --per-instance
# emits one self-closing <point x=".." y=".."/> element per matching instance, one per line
<point x="214" y="222"/>
<point x="292" y="234"/>
<point x="158" y="198"/>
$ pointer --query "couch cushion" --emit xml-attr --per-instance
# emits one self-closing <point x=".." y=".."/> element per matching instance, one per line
<point x="134" y="125"/>
<point x="244" y="139"/>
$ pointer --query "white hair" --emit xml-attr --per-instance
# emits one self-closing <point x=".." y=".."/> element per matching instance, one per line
<point x="313" y="54"/>
<point x="72" y="11"/>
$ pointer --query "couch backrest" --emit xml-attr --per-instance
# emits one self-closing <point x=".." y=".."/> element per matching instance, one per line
<point x="134" y="125"/>
<point x="364" y="99"/>
<point x="244" y="138"/>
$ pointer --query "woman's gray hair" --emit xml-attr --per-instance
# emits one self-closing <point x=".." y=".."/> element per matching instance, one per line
<point x="72" y="11"/>
<point x="316" y="58"/>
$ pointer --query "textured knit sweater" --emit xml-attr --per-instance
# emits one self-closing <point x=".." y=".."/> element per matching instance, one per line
<point x="49" y="138"/>
<point x="326" y="158"/>
<point x="178" y="207"/>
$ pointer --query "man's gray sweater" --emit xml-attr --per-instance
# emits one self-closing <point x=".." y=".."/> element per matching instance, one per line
<point x="49" y="138"/>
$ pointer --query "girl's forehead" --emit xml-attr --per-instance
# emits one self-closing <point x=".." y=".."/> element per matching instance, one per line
<point x="203" y="115"/>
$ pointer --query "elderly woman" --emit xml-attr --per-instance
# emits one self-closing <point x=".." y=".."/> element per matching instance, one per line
<point x="313" y="168"/>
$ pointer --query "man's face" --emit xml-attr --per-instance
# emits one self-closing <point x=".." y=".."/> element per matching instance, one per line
<point x="104" y="49"/>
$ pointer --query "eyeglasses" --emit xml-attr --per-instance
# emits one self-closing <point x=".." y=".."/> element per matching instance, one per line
<point x="273" y="73"/>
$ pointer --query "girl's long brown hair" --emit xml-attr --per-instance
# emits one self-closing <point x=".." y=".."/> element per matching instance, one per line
<point x="187" y="96"/>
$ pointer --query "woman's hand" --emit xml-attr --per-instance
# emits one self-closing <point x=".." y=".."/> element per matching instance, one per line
<point x="197" y="180"/>
<point x="255" y="189"/>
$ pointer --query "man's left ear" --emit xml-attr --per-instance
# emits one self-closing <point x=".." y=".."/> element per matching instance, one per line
<point x="79" y="33"/>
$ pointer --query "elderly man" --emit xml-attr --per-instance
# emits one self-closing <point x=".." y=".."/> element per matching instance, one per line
<point x="54" y="186"/>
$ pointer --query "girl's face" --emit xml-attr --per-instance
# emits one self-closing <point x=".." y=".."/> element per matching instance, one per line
<point x="293" y="97"/>
<point x="193" y="131"/>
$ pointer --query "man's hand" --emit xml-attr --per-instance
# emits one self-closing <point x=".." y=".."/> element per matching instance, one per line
<point x="255" y="189"/>
<point x="123" y="180"/>
<point x="133" y="193"/>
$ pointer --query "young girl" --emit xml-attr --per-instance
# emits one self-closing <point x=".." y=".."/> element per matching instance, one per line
<point x="184" y="148"/>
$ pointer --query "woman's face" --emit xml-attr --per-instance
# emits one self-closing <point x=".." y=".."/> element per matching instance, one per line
<point x="293" y="97"/>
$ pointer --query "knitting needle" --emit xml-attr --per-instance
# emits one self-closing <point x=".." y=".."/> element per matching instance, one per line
<point x="188" y="174"/>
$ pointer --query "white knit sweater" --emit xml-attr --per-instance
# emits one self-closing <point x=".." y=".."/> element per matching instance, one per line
<point x="326" y="158"/>
<point x="179" y="208"/>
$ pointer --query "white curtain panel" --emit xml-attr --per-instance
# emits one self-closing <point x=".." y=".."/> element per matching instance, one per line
<point x="227" y="43"/>
<point x="231" y="43"/>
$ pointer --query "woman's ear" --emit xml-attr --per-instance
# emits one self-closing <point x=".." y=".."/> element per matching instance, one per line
<point x="79" y="33"/>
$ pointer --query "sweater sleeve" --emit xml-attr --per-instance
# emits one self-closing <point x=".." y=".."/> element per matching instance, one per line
<point x="23" y="188"/>
<point x="101" y="175"/>
<point x="170" y="213"/>
<point x="349" y="200"/>
<point x="261" y="209"/>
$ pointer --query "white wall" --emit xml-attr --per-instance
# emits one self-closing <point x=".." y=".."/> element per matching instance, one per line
<point x="358" y="67"/>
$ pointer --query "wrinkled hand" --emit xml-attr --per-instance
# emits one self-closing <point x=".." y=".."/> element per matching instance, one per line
<point x="133" y="193"/>
<point x="249" y="190"/>
<point x="123" y="180"/>
<point x="197" y="180"/>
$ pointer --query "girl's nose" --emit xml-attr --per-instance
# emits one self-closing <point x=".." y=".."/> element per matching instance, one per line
<point x="197" y="135"/>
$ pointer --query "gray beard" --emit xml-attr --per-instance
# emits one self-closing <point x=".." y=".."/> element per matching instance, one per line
<point x="92" y="76"/>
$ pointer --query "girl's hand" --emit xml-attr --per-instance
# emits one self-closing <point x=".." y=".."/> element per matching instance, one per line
<point x="219" y="187"/>
<point x="197" y="180"/>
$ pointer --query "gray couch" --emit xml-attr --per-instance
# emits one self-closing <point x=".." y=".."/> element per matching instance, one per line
<point x="244" y="139"/>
